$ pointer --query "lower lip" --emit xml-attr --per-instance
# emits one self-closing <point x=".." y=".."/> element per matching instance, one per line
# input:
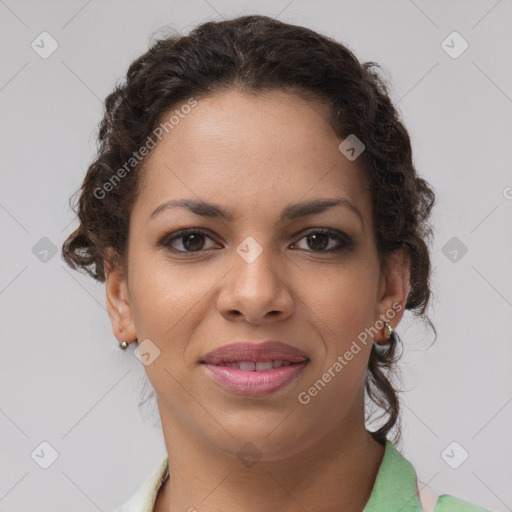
<point x="253" y="384"/>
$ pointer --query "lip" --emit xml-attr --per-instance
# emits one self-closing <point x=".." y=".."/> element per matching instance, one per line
<point x="255" y="352"/>
<point x="218" y="365"/>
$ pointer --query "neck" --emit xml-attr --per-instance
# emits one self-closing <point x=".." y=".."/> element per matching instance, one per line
<point x="337" y="473"/>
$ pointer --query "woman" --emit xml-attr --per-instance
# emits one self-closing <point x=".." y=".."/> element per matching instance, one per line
<point x="261" y="230"/>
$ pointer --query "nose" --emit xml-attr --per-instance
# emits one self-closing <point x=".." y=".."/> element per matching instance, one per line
<point x="256" y="292"/>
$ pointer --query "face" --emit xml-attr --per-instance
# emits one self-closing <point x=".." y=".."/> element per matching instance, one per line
<point x="266" y="270"/>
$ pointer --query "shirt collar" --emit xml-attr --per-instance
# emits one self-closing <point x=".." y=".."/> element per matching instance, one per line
<point x="144" y="499"/>
<point x="395" y="485"/>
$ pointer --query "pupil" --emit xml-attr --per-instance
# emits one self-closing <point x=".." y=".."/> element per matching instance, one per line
<point x="195" y="239"/>
<point x="315" y="239"/>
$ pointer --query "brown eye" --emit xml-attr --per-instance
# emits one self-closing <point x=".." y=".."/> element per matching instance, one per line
<point x="186" y="241"/>
<point x="192" y="242"/>
<point x="319" y="240"/>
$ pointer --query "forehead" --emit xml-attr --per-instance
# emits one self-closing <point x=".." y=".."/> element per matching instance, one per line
<point x="250" y="150"/>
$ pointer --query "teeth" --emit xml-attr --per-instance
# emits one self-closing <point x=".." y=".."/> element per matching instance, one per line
<point x="249" y="366"/>
<point x="278" y="364"/>
<point x="264" y="365"/>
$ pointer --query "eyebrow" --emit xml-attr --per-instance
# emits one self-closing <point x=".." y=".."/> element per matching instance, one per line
<point x="291" y="212"/>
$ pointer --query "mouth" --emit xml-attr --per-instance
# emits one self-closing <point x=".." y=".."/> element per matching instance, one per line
<point x="266" y="352"/>
<point x="254" y="370"/>
<point x="260" y="366"/>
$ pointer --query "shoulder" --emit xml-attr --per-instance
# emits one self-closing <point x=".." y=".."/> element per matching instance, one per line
<point x="397" y="487"/>
<point x="432" y="502"/>
<point x="447" y="503"/>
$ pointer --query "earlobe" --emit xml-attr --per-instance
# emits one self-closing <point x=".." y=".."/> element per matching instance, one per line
<point x="385" y="334"/>
<point x="118" y="304"/>
<point x="394" y="290"/>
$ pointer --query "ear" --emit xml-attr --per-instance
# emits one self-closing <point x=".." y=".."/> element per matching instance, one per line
<point x="118" y="302"/>
<point x="394" y="288"/>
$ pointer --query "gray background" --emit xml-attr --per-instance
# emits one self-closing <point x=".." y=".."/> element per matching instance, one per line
<point x="64" y="380"/>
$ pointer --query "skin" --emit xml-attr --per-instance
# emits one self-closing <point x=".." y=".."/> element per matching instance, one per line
<point x="254" y="155"/>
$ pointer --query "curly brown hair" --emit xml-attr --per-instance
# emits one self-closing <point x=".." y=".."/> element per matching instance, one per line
<point x="257" y="54"/>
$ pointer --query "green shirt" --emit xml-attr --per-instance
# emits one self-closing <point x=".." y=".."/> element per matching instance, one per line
<point x="396" y="489"/>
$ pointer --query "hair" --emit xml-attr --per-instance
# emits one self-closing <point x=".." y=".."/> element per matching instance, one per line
<point x="256" y="54"/>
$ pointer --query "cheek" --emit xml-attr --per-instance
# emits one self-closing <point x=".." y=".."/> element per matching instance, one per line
<point x="163" y="295"/>
<point x="344" y="304"/>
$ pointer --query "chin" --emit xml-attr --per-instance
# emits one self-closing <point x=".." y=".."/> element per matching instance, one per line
<point x="266" y="437"/>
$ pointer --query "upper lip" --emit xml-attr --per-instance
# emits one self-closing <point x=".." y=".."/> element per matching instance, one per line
<point x="255" y="352"/>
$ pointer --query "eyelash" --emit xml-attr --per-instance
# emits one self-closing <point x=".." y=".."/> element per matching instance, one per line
<point x="344" y="241"/>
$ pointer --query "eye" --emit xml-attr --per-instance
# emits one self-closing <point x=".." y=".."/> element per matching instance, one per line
<point x="191" y="240"/>
<point x="318" y="240"/>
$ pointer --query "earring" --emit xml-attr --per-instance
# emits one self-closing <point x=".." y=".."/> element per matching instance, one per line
<point x="390" y="330"/>
<point x="124" y="344"/>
